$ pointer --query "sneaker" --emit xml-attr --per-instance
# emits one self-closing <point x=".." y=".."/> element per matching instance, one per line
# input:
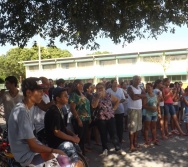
<point x="121" y="152"/>
<point x="105" y="152"/>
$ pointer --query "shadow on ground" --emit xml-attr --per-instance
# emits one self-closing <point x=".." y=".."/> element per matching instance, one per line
<point x="171" y="153"/>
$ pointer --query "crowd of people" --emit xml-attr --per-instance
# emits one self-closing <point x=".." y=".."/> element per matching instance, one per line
<point x="43" y="119"/>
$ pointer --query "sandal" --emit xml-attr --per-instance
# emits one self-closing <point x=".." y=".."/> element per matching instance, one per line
<point x="132" y="150"/>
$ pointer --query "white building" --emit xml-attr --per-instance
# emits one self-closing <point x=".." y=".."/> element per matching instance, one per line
<point x="149" y="65"/>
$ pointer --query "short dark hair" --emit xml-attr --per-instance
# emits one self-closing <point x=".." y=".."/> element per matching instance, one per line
<point x="59" y="81"/>
<point x="57" y="92"/>
<point x="12" y="80"/>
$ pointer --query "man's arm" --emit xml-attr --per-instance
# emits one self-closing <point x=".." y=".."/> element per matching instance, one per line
<point x="46" y="152"/>
<point x="132" y="95"/>
<point x="63" y="136"/>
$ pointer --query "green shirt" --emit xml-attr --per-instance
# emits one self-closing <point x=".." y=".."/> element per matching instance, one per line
<point x="82" y="106"/>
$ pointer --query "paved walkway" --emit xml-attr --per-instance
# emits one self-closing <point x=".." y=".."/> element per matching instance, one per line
<point x="171" y="153"/>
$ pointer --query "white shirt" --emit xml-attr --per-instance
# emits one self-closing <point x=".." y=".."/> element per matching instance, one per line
<point x="120" y="95"/>
<point x="38" y="114"/>
<point x="135" y="104"/>
<point x="156" y="91"/>
<point x="10" y="102"/>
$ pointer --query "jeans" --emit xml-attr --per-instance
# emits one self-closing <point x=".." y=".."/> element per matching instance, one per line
<point x="105" y="127"/>
<point x="119" y="126"/>
<point x="81" y="131"/>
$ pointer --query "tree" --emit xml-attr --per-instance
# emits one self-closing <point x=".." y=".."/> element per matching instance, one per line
<point x="11" y="62"/>
<point x="80" y="22"/>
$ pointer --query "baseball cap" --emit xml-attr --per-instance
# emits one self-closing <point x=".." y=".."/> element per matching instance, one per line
<point x="32" y="83"/>
<point x="57" y="92"/>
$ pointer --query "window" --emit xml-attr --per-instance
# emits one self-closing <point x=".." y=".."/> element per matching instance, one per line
<point x="152" y="78"/>
<point x="68" y="65"/>
<point x="127" y="61"/>
<point x="49" y="67"/>
<point x="177" y="78"/>
<point x="85" y="64"/>
<point x="177" y="57"/>
<point x="107" y="62"/>
<point x="34" y="68"/>
<point x="152" y="59"/>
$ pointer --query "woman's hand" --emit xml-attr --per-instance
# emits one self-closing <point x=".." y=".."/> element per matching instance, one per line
<point x="80" y="124"/>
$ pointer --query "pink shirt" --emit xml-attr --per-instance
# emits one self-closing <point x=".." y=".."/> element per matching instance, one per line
<point x="169" y="100"/>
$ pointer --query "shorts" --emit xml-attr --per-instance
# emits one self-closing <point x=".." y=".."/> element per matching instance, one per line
<point x="176" y="107"/>
<point x="150" y="118"/>
<point x="134" y="120"/>
<point x="169" y="109"/>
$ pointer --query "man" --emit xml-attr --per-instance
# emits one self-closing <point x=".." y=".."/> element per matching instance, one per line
<point x="58" y="136"/>
<point x="11" y="97"/>
<point x="24" y="146"/>
<point x="51" y="88"/>
<point x="134" y="112"/>
<point x="40" y="110"/>
<point x="60" y="83"/>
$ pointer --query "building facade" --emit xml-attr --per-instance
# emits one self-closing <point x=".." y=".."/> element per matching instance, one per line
<point x="149" y="65"/>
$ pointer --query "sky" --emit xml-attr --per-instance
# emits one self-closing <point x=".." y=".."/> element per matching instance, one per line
<point x="165" y="41"/>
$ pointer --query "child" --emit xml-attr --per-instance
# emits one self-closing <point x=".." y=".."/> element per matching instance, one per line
<point x="185" y="99"/>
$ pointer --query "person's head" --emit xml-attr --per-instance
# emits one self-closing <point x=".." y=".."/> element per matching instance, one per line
<point x="69" y="87"/>
<point x="123" y="85"/>
<point x="114" y="83"/>
<point x="51" y="82"/>
<point x="88" y="88"/>
<point x="166" y="82"/>
<point x="186" y="91"/>
<point x="45" y="83"/>
<point x="60" y="96"/>
<point x="108" y="85"/>
<point x="32" y="89"/>
<point x="100" y="89"/>
<point x="136" y="80"/>
<point x="180" y="84"/>
<point x="158" y="84"/>
<point x="176" y="84"/>
<point x="60" y="83"/>
<point x="149" y="87"/>
<point x="171" y="86"/>
<point x="77" y="86"/>
<point x="11" y="82"/>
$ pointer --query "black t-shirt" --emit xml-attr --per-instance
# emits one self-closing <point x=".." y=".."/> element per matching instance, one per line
<point x="53" y="121"/>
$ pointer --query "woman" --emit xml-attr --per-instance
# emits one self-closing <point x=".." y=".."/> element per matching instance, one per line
<point x="88" y="91"/>
<point x="105" y="105"/>
<point x="119" y="112"/>
<point x="169" y="108"/>
<point x="80" y="108"/>
<point x="158" y="85"/>
<point x="150" y="103"/>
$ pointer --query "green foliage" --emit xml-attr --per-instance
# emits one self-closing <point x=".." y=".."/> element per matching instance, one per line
<point x="11" y="63"/>
<point x="80" y="22"/>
